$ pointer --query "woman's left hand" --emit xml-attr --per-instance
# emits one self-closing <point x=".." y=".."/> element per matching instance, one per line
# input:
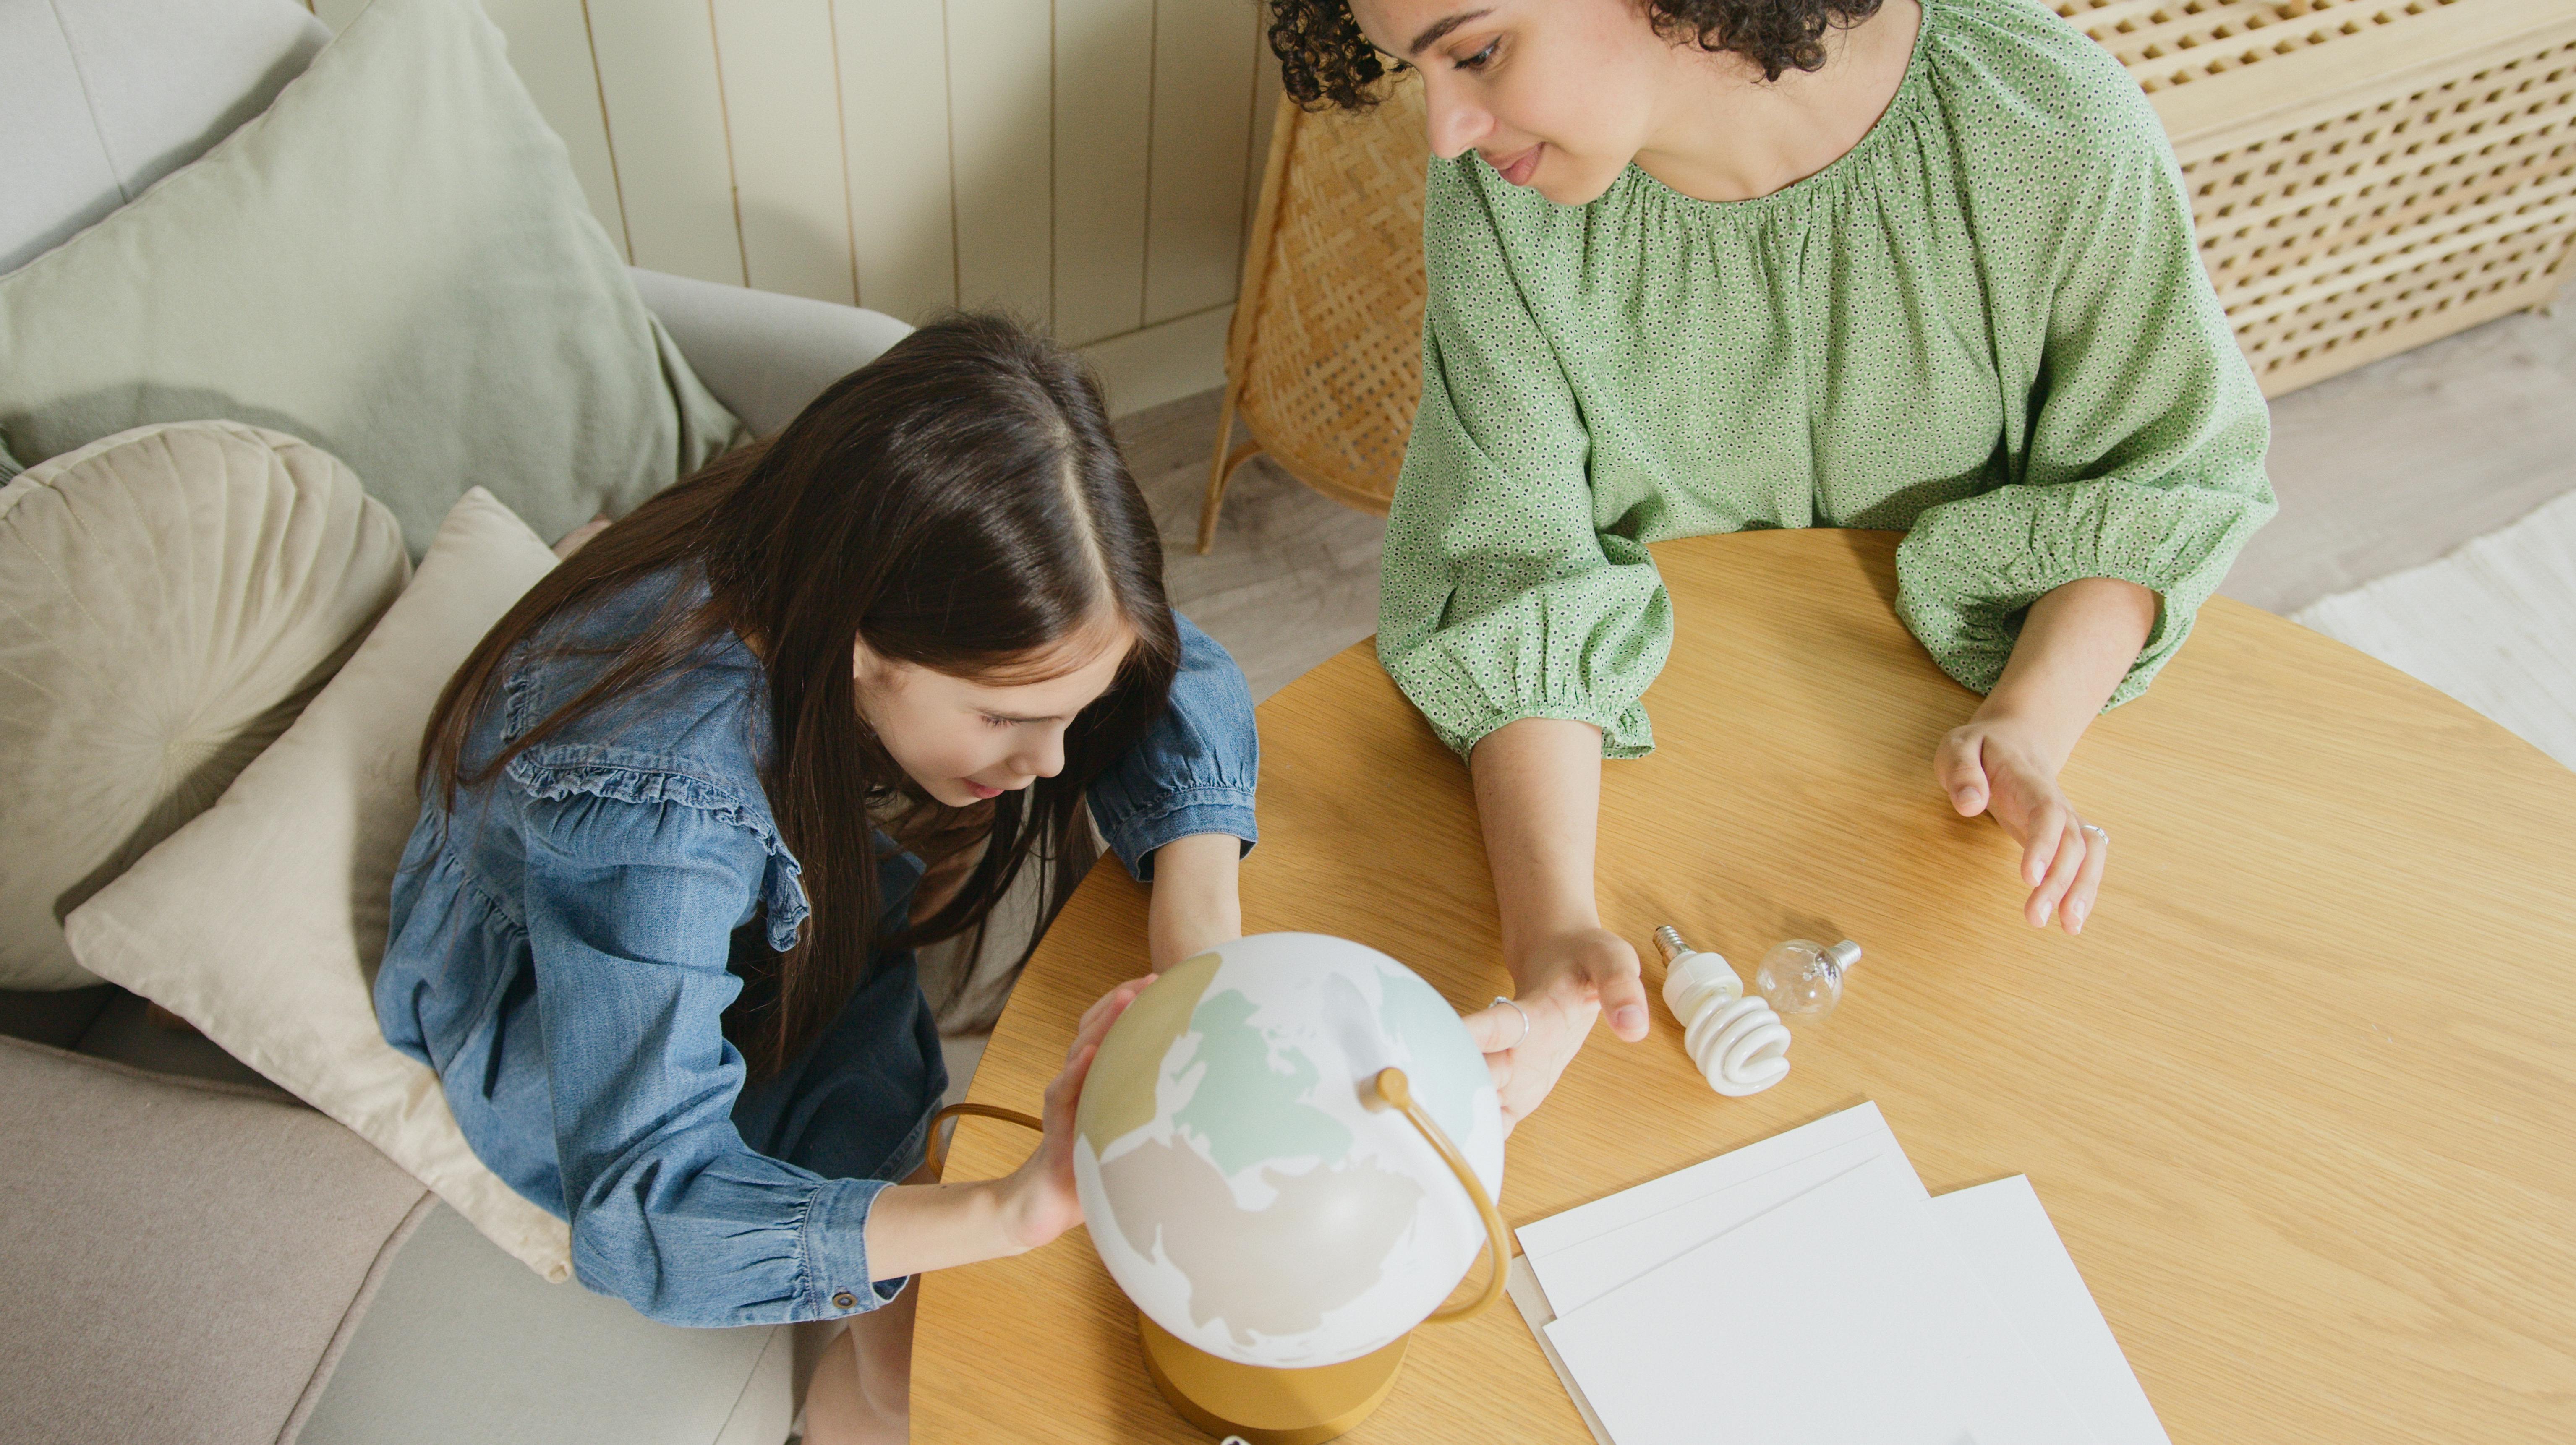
<point x="1998" y="766"/>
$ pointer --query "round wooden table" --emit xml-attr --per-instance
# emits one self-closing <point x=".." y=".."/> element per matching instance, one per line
<point x="2299" y="1099"/>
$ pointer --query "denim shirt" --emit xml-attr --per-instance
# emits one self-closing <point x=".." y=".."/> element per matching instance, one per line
<point x="558" y="944"/>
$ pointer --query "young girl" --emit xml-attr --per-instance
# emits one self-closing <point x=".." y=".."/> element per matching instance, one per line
<point x="1705" y="265"/>
<point x="655" y="928"/>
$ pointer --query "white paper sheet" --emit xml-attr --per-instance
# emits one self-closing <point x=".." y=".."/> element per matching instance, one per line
<point x="2015" y="1252"/>
<point x="1531" y="1300"/>
<point x="1851" y="1317"/>
<point x="1583" y="1271"/>
<point x="1543" y="1237"/>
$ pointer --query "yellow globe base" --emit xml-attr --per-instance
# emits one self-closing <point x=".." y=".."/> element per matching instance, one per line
<point x="1263" y="1405"/>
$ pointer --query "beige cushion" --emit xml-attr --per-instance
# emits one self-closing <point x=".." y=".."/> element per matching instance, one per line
<point x="181" y="1261"/>
<point x="262" y="921"/>
<point x="169" y="598"/>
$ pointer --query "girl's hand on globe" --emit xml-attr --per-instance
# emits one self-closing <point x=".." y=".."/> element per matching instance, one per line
<point x="1038" y="1200"/>
<point x="1566" y="980"/>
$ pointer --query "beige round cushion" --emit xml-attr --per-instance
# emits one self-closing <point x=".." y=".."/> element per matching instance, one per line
<point x="170" y="597"/>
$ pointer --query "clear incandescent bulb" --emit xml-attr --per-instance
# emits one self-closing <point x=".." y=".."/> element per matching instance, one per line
<point x="1803" y="978"/>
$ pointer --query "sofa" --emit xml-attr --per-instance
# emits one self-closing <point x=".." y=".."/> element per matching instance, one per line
<point x="188" y="1252"/>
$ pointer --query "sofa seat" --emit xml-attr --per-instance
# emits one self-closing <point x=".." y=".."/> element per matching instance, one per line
<point x="179" y="1260"/>
<point x="462" y="1342"/>
<point x="191" y="1254"/>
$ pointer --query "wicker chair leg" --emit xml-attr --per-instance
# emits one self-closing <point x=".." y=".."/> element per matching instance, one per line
<point x="1221" y="470"/>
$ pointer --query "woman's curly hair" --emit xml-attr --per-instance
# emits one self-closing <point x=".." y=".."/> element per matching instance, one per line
<point x="1327" y="63"/>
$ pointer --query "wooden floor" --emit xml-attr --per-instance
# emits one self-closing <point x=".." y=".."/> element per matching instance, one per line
<point x="2378" y="470"/>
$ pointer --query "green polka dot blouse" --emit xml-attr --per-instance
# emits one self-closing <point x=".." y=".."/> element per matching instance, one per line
<point x="1985" y="325"/>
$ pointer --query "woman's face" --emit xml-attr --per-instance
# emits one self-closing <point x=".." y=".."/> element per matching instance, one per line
<point x="967" y="740"/>
<point x="1558" y="95"/>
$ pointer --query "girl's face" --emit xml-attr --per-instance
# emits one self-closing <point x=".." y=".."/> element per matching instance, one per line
<point x="1558" y="95"/>
<point x="968" y="740"/>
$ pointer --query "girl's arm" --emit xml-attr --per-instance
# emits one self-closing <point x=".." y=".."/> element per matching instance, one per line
<point x="1538" y="794"/>
<point x="1192" y="776"/>
<point x="627" y="907"/>
<point x="1177" y="808"/>
<point x="1196" y="904"/>
<point x="916" y="1227"/>
<point x="2075" y="648"/>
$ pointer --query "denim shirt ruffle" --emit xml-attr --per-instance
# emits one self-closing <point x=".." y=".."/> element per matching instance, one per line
<point x="552" y="772"/>
<point x="558" y="944"/>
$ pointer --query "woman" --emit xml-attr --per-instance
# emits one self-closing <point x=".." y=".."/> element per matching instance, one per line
<point x="655" y="927"/>
<point x="1705" y="265"/>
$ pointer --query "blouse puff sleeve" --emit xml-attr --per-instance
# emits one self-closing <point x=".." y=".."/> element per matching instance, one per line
<point x="1500" y="601"/>
<point x="629" y="912"/>
<point x="2143" y="454"/>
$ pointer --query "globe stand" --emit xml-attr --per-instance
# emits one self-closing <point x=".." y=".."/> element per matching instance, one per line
<point x="1268" y="1406"/>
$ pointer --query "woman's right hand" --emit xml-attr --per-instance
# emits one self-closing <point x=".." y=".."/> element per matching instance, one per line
<point x="1538" y="795"/>
<point x="1038" y="1199"/>
<point x="1566" y="980"/>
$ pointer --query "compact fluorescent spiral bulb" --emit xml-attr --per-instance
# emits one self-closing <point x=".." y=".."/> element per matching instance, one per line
<point x="1739" y="1043"/>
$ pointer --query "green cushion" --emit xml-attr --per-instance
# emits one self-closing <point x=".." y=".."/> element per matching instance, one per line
<point x="394" y="263"/>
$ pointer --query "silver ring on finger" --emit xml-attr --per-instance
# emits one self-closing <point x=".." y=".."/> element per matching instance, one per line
<point x="2096" y="831"/>
<point x="1525" y="1023"/>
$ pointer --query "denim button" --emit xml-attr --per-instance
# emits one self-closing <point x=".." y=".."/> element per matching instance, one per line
<point x="845" y="1300"/>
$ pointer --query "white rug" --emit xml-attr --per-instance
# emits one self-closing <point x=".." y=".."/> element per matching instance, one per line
<point x="2492" y="624"/>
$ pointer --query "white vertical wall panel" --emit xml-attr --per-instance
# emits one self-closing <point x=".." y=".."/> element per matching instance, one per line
<point x="1088" y="163"/>
<point x="782" y="102"/>
<point x="894" y="116"/>
<point x="550" y="48"/>
<point x="1203" y="81"/>
<point x="1104" y="88"/>
<point x="1001" y="128"/>
<point x="666" y="125"/>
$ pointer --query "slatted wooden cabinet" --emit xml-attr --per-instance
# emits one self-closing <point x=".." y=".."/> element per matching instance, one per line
<point x="2365" y="175"/>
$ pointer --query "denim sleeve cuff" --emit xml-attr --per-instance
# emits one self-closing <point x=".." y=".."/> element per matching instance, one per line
<point x="835" y="1248"/>
<point x="1185" y="814"/>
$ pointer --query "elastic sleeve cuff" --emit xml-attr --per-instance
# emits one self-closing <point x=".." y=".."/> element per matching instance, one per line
<point x="834" y="1242"/>
<point x="1973" y="639"/>
<point x="1582" y="647"/>
<point x="1134" y="836"/>
<point x="1963" y="594"/>
<point x="1625" y="730"/>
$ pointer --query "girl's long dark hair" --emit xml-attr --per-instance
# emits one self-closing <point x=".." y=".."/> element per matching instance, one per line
<point x="959" y="504"/>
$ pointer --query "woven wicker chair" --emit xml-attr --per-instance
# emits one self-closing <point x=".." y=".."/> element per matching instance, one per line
<point x="1324" y="363"/>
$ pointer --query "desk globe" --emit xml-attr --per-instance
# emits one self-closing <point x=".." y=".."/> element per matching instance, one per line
<point x="1287" y="1152"/>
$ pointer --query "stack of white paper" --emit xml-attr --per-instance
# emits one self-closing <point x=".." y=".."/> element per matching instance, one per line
<point x="1806" y="1289"/>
